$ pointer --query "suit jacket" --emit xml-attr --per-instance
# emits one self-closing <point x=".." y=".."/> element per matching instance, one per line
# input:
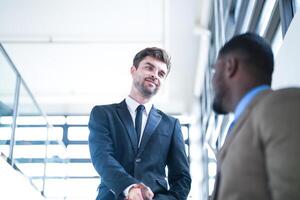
<point x="120" y="163"/>
<point x="260" y="158"/>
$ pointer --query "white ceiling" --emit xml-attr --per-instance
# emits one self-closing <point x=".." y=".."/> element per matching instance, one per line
<point x="74" y="54"/>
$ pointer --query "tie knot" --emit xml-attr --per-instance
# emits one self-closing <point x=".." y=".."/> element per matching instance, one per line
<point x="140" y="108"/>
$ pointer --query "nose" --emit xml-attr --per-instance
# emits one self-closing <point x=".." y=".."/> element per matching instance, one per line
<point x="154" y="74"/>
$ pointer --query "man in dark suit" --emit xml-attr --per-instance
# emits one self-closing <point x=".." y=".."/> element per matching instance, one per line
<point x="260" y="157"/>
<point x="132" y="142"/>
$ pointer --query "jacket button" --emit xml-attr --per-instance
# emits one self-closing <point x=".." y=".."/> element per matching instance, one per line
<point x="138" y="160"/>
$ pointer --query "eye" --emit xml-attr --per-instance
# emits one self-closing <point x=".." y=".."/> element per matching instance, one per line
<point x="149" y="67"/>
<point x="161" y="74"/>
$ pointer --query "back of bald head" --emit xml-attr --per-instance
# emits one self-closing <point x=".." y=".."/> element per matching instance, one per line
<point x="256" y="54"/>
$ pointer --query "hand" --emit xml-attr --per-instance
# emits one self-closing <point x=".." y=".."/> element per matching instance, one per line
<point x="146" y="192"/>
<point x="140" y="192"/>
<point x="135" y="193"/>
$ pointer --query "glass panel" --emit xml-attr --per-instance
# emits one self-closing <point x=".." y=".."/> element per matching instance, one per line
<point x="212" y="169"/>
<point x="55" y="188"/>
<point x="248" y="15"/>
<point x="76" y="190"/>
<point x="296" y="4"/>
<point x="7" y="87"/>
<point x="7" y="93"/>
<point x="78" y="133"/>
<point x="82" y="120"/>
<point x="81" y="169"/>
<point x="55" y="134"/>
<point x="184" y="131"/>
<point x="211" y="183"/>
<point x="78" y="151"/>
<point x="31" y="134"/>
<point x="4" y="148"/>
<point x="265" y="16"/>
<point x="277" y="40"/>
<point x="32" y="169"/>
<point x="27" y="106"/>
<point x="56" y="119"/>
<point x="32" y="154"/>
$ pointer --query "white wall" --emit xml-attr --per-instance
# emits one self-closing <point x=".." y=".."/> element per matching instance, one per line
<point x="287" y="66"/>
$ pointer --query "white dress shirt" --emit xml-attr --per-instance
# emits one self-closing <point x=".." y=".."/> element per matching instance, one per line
<point x="132" y="106"/>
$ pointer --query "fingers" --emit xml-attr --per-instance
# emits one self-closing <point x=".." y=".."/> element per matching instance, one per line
<point x="135" y="193"/>
<point x="146" y="192"/>
<point x="140" y="192"/>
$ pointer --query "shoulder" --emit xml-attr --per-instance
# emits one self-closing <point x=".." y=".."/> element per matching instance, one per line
<point x="281" y="97"/>
<point x="108" y="108"/>
<point x="104" y="107"/>
<point x="277" y="109"/>
<point x="165" y="116"/>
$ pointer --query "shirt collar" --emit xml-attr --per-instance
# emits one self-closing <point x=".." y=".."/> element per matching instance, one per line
<point x="247" y="98"/>
<point x="133" y="104"/>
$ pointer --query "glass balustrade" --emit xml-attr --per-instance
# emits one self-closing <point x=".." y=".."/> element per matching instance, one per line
<point x="27" y="139"/>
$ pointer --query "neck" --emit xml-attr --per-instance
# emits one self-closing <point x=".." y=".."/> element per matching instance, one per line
<point x="242" y="92"/>
<point x="139" y="98"/>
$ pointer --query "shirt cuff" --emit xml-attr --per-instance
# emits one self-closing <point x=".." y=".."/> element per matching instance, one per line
<point x="126" y="191"/>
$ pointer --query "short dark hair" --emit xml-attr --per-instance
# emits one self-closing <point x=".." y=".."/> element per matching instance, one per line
<point x="257" y="52"/>
<point x="154" y="52"/>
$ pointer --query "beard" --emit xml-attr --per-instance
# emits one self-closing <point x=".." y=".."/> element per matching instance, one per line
<point x="144" y="90"/>
<point x="218" y="107"/>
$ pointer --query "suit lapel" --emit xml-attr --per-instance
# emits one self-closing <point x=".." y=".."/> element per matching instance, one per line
<point x="239" y="124"/>
<point x="128" y="123"/>
<point x="229" y="139"/>
<point x="152" y="122"/>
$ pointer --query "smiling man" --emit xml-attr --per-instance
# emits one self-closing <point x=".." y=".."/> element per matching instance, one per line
<point x="132" y="142"/>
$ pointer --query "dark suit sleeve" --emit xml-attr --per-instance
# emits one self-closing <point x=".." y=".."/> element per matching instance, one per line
<point x="178" y="166"/>
<point x="103" y="155"/>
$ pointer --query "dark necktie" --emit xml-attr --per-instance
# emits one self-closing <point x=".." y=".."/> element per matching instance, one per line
<point x="138" y="121"/>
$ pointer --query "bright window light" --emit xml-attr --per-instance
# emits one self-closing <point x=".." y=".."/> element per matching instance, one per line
<point x="4" y="149"/>
<point x="212" y="169"/>
<point x="184" y="131"/>
<point x="56" y="119"/>
<point x="31" y="120"/>
<point x="81" y="169"/>
<point x="29" y="151"/>
<point x="265" y="16"/>
<point x="82" y="188"/>
<point x="6" y="120"/>
<point x="78" y="133"/>
<point x="55" y="134"/>
<point x="78" y="151"/>
<point x="211" y="184"/>
<point x="277" y="40"/>
<point x="31" y="133"/>
<point x="55" y="188"/>
<point x="5" y="133"/>
<point x="79" y="120"/>
<point x="32" y="169"/>
<point x="56" y="169"/>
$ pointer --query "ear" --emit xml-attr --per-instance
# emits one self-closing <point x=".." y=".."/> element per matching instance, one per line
<point x="231" y="66"/>
<point x="132" y="69"/>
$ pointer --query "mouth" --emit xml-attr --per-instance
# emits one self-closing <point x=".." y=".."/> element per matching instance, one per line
<point x="151" y="81"/>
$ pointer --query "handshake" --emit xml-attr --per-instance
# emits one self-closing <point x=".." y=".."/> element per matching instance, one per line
<point x="139" y="192"/>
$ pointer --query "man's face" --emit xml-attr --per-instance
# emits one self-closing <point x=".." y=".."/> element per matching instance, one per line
<point x="220" y="87"/>
<point x="149" y="76"/>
